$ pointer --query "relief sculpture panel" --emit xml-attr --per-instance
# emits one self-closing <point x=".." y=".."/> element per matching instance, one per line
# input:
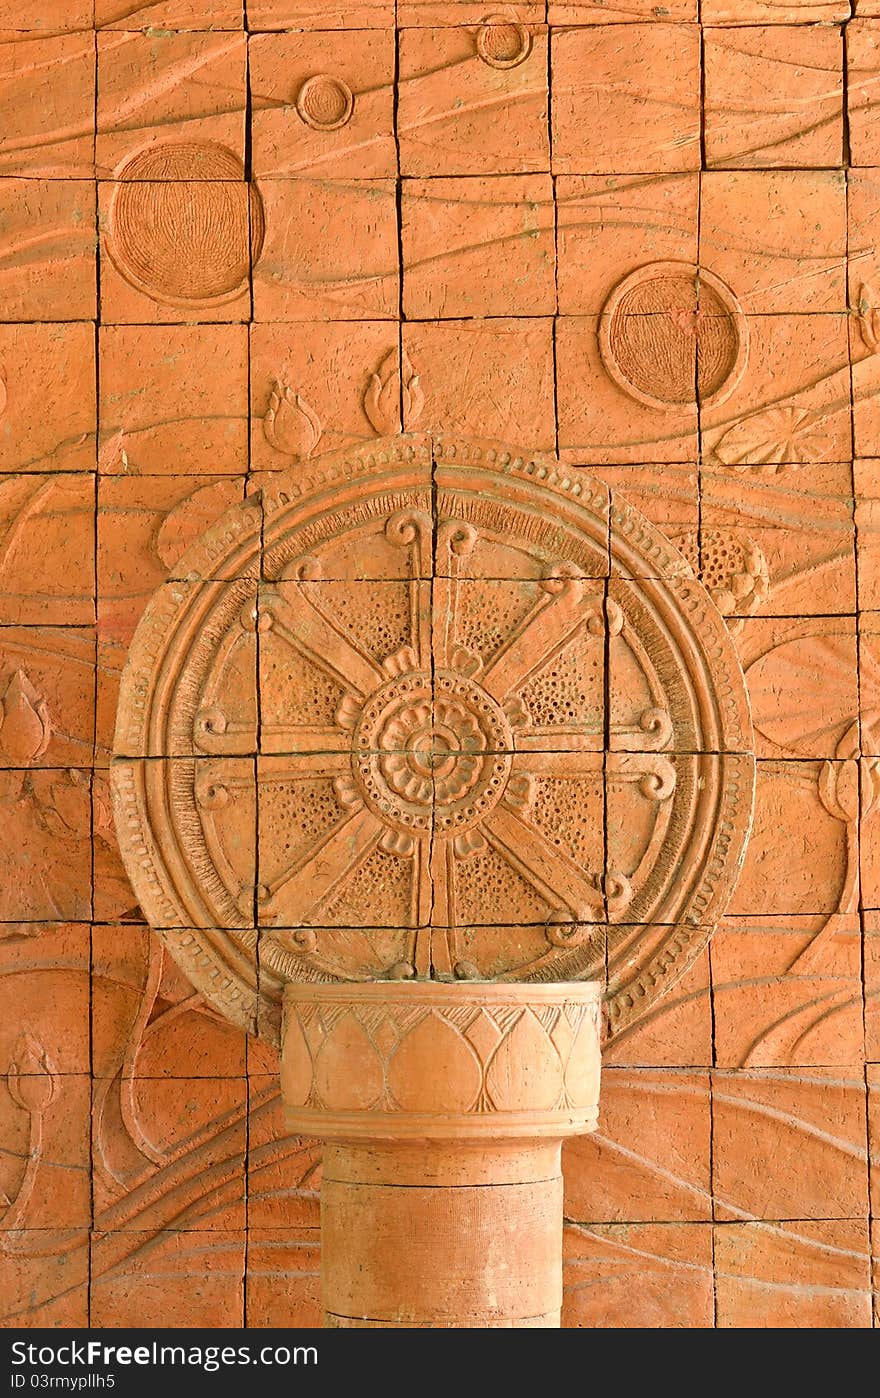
<point x="439" y="500"/>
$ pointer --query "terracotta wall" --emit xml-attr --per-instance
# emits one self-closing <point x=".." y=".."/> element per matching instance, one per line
<point x="473" y="206"/>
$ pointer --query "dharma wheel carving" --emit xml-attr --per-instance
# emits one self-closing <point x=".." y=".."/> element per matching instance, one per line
<point x="432" y="709"/>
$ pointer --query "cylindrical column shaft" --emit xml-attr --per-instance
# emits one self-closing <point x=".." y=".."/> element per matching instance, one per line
<point x="442" y="1237"/>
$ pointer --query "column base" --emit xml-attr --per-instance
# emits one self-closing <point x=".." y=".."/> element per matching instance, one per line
<point x="444" y="1108"/>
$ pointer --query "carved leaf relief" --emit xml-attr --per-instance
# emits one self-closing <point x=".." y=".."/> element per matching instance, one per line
<point x="869" y="317"/>
<point x="25" y="726"/>
<point x="777" y="436"/>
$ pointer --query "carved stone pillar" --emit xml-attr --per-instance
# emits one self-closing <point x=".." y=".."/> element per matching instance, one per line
<point x="444" y="1108"/>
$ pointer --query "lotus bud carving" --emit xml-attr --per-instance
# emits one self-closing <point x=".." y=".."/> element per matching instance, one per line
<point x="291" y="425"/>
<point x="25" y="726"/>
<point x="869" y="317"/>
<point x="732" y="567"/>
<point x="31" y="1078"/>
<point x="394" y="394"/>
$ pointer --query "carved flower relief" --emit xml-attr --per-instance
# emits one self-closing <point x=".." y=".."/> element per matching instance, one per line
<point x="780" y="436"/>
<point x="31" y="1079"/>
<point x="32" y="1083"/>
<point x="869" y="317"/>
<point x="25" y="725"/>
<point x="291" y="425"/>
<point x="783" y="684"/>
<point x="393" y="402"/>
<point x="733" y="569"/>
<point x="394" y="399"/>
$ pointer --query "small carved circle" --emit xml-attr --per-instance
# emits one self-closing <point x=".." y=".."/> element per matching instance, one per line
<point x="432" y="753"/>
<point x="503" y="43"/>
<point x="184" y="225"/>
<point x="324" y="102"/>
<point x="671" y="331"/>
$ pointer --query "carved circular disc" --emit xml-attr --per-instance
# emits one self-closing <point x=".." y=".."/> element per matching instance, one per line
<point x="502" y="42"/>
<point x="325" y="103"/>
<point x="670" y="330"/>
<point x="397" y="716"/>
<point x="184" y="224"/>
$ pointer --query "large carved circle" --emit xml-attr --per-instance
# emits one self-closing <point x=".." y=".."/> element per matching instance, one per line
<point x="672" y="332"/>
<point x="184" y="224"/>
<point x="432" y="708"/>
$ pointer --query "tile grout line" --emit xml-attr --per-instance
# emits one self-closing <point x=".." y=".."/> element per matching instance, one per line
<point x="253" y="194"/>
<point x="700" y="466"/>
<point x="95" y="581"/>
<point x="554" y="188"/>
<point x="851" y="331"/>
<point x="398" y="196"/>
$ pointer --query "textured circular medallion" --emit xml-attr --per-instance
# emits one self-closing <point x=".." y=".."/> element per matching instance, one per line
<point x="671" y="331"/>
<point x="502" y="42"/>
<point x="398" y="718"/>
<point x="431" y="751"/>
<point x="325" y="103"/>
<point x="184" y="225"/>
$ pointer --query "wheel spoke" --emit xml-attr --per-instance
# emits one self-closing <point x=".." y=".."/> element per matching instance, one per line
<point x="303" y="623"/>
<point x="309" y="743"/>
<point x="560" y="881"/>
<point x="311" y="883"/>
<point x="544" y="632"/>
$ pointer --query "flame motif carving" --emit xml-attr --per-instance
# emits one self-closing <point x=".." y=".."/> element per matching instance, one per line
<point x="291" y="426"/>
<point x="31" y="1078"/>
<point x="25" y="726"/>
<point x="394" y="390"/>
